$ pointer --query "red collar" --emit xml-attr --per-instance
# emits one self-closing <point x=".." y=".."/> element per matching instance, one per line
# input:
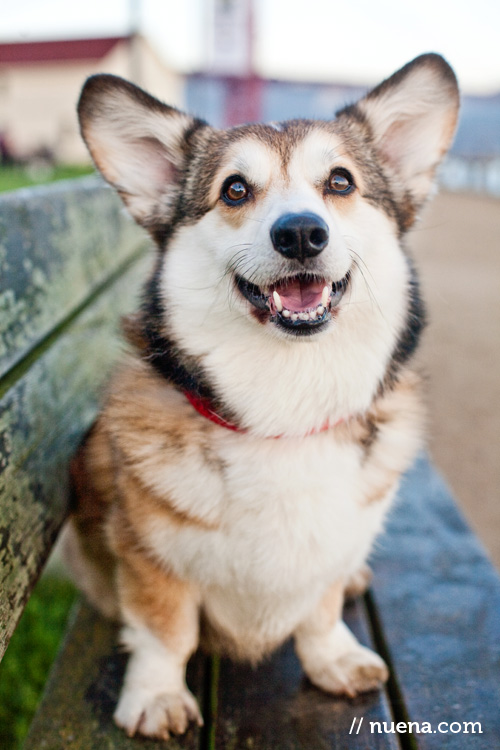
<point x="203" y="406"/>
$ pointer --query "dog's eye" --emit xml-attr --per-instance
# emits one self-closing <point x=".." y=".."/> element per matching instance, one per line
<point x="235" y="190"/>
<point x="340" y="181"/>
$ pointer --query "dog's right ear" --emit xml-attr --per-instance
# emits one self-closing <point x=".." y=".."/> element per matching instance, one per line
<point x="139" y="145"/>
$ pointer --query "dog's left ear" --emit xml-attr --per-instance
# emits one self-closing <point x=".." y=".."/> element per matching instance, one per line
<point x="412" y="117"/>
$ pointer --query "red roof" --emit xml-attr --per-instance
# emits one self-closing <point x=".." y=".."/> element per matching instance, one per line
<point x="58" y="51"/>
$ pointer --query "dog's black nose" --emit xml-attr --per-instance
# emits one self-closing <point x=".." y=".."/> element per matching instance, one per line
<point x="299" y="236"/>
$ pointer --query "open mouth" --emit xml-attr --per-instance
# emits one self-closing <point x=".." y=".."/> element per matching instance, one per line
<point x="300" y="304"/>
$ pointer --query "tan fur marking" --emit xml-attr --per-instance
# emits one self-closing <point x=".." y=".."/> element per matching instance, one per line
<point x="332" y="602"/>
<point x="359" y="582"/>
<point x="398" y="410"/>
<point x="402" y="401"/>
<point x="154" y="596"/>
<point x="237" y="216"/>
<point x="328" y="611"/>
<point x="153" y="426"/>
<point x="381" y="492"/>
<point x="144" y="409"/>
<point x="84" y="542"/>
<point x="355" y="430"/>
<point x="92" y="473"/>
<point x="114" y="504"/>
<point x="144" y="508"/>
<point x="93" y="483"/>
<point x="343" y="204"/>
<point x="131" y="327"/>
<point x="234" y="164"/>
<point x="168" y="606"/>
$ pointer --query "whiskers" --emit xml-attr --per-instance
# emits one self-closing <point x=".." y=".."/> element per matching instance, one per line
<point x="365" y="274"/>
<point x="242" y="263"/>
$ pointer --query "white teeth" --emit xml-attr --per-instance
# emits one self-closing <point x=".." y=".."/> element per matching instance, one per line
<point x="325" y="296"/>
<point x="277" y="301"/>
<point x="306" y="314"/>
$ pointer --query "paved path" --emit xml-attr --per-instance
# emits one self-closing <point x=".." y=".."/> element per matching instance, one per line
<point x="457" y="249"/>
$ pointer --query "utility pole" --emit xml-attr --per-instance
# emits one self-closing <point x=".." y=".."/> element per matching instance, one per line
<point x="233" y="59"/>
<point x="135" y="72"/>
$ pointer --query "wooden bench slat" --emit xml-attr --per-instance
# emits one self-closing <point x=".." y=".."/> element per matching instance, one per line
<point x="274" y="707"/>
<point x="77" y="709"/>
<point x="437" y="599"/>
<point x="42" y="419"/>
<point x="57" y="244"/>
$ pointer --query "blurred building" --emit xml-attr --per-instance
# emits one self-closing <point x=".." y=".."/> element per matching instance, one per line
<point x="473" y="163"/>
<point x="40" y="83"/>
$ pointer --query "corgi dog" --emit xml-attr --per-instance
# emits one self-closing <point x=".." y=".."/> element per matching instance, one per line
<point x="253" y="437"/>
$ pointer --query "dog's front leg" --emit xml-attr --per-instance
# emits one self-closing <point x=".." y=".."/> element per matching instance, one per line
<point x="331" y="656"/>
<point x="162" y="616"/>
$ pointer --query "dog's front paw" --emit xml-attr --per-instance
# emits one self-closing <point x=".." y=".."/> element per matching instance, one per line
<point x="356" y="671"/>
<point x="335" y="662"/>
<point x="156" y="715"/>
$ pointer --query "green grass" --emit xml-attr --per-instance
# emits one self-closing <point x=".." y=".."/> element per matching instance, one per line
<point x="12" y="178"/>
<point x="31" y="651"/>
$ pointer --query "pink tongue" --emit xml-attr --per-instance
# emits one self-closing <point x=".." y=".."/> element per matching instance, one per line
<point x="298" y="295"/>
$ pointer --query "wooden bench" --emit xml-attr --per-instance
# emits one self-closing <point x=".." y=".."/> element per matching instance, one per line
<point x="71" y="264"/>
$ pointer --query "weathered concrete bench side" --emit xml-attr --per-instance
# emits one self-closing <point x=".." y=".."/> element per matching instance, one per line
<point x="70" y="264"/>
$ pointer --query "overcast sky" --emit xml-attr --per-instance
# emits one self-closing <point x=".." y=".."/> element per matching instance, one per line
<point x="360" y="41"/>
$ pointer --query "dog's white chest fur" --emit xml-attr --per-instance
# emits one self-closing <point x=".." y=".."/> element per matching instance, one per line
<point x="291" y="519"/>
